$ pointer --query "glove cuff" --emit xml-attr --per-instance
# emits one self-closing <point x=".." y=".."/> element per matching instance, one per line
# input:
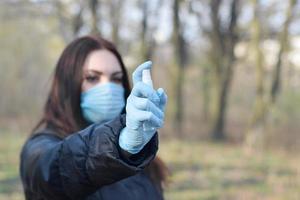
<point x="131" y="141"/>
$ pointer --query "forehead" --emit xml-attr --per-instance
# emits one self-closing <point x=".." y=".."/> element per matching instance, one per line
<point x="103" y="61"/>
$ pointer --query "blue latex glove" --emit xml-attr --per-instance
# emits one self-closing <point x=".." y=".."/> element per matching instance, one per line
<point x="143" y="104"/>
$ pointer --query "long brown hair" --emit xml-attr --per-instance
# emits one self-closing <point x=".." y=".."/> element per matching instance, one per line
<point x="62" y="112"/>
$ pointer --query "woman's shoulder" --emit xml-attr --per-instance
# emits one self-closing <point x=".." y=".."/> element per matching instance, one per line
<point x="44" y="133"/>
<point x="36" y="144"/>
<point x="41" y="139"/>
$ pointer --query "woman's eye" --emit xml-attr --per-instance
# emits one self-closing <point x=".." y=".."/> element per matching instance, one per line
<point x="92" y="79"/>
<point x="117" y="80"/>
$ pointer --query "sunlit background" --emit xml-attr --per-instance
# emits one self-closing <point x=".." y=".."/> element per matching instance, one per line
<point x="231" y="69"/>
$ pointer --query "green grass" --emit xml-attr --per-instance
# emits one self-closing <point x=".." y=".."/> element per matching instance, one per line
<point x="199" y="170"/>
<point x="10" y="187"/>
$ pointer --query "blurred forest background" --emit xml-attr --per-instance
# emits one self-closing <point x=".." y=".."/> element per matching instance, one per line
<point x="231" y="69"/>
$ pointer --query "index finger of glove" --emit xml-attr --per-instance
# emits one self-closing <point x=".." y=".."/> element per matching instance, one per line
<point x="140" y="116"/>
<point x="163" y="98"/>
<point x="147" y="105"/>
<point x="138" y="72"/>
<point x="143" y="90"/>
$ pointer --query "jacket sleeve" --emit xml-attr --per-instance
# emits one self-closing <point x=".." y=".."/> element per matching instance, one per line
<point x="73" y="168"/>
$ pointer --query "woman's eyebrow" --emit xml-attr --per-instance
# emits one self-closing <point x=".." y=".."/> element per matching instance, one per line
<point x="100" y="73"/>
<point x="116" y="73"/>
<point x="95" y="71"/>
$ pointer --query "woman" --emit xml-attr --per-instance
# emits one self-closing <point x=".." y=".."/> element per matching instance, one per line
<point x="91" y="142"/>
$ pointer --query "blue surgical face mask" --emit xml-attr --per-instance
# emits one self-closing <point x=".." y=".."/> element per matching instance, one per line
<point x="102" y="102"/>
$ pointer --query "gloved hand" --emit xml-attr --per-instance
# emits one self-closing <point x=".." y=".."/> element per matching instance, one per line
<point x="144" y="104"/>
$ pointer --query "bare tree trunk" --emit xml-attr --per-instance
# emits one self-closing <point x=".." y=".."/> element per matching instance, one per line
<point x="180" y="59"/>
<point x="276" y="83"/>
<point x="256" y="133"/>
<point x="144" y="45"/>
<point x="257" y="122"/>
<point x="115" y="15"/>
<point x="206" y="87"/>
<point x="68" y="21"/>
<point x="223" y="59"/>
<point x="148" y="43"/>
<point x="206" y="82"/>
<point x="94" y="6"/>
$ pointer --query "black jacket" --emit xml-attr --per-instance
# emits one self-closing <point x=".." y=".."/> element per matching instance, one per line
<point x="88" y="165"/>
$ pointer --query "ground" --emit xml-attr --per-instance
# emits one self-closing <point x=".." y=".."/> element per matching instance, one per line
<point x="199" y="170"/>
